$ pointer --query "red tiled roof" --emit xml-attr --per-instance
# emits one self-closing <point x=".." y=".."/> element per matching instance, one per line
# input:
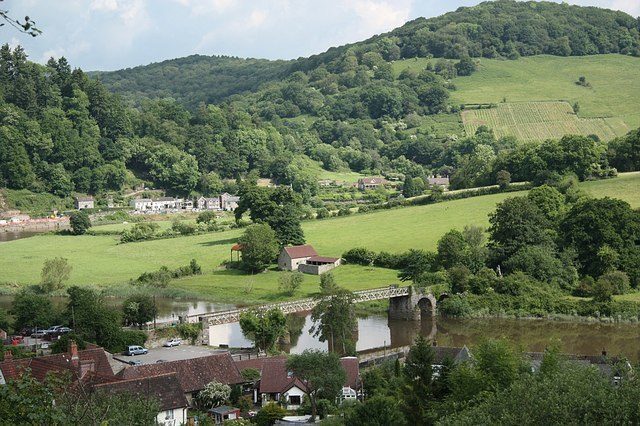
<point x="236" y="247"/>
<point x="93" y="360"/>
<point x="322" y="259"/>
<point x="165" y="388"/>
<point x="275" y="379"/>
<point x="352" y="368"/>
<point x="194" y="374"/>
<point x="297" y="252"/>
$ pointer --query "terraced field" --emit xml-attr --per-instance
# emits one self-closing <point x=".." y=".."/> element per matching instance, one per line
<point x="535" y="121"/>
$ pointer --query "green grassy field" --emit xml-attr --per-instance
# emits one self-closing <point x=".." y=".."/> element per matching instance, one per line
<point x="613" y="95"/>
<point x="614" y="79"/>
<point x="102" y="262"/>
<point x="535" y="121"/>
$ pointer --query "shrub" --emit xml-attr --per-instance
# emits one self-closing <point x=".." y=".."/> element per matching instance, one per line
<point x="183" y="228"/>
<point x="206" y="217"/>
<point x="322" y="213"/>
<point x="344" y="211"/>
<point x="140" y="232"/>
<point x="189" y="331"/>
<point x="79" y="222"/>
<point x="359" y="256"/>
<point x="289" y="282"/>
<point x="456" y="305"/>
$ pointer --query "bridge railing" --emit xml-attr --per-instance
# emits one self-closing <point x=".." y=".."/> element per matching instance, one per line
<point x="301" y="305"/>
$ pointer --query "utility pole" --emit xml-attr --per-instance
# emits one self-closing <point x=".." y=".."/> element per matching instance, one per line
<point x="155" y="311"/>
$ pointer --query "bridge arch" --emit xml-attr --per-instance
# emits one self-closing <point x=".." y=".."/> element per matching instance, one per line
<point x="416" y="305"/>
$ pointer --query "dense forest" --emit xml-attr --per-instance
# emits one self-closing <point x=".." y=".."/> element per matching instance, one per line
<point x="64" y="131"/>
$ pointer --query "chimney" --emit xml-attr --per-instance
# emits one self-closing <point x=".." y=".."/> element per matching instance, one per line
<point x="73" y="352"/>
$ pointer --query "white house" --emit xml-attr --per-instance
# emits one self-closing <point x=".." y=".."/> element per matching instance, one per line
<point x="141" y="204"/>
<point x="82" y="203"/>
<point x="229" y="202"/>
<point x="212" y="203"/>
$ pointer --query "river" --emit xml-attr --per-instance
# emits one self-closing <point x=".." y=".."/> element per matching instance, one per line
<point x="376" y="331"/>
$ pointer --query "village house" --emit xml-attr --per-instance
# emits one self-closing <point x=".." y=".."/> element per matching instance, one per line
<point x="193" y="374"/>
<point x="367" y="183"/>
<point x="164" y="388"/>
<point x="212" y="203"/>
<point x="229" y="202"/>
<point x="438" y="181"/>
<point x="305" y="259"/>
<point x="89" y="365"/>
<point x="281" y="386"/>
<point x="82" y="203"/>
<point x="160" y="204"/>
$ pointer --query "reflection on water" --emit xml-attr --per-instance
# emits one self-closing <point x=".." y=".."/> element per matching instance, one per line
<point x="376" y="331"/>
<point x="168" y="309"/>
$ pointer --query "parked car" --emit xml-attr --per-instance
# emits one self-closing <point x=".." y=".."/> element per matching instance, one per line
<point x="172" y="342"/>
<point x="135" y="362"/>
<point x="58" y="332"/>
<point x="135" y="350"/>
<point x="38" y="334"/>
<point x="53" y="329"/>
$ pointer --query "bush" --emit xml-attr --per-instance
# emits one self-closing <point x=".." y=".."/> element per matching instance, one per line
<point x="140" y="232"/>
<point x="359" y="256"/>
<point x="131" y="337"/>
<point x="456" y="305"/>
<point x="183" y="228"/>
<point x="80" y="222"/>
<point x="344" y="211"/>
<point x="322" y="213"/>
<point x="189" y="331"/>
<point x="206" y="217"/>
<point x="289" y="282"/>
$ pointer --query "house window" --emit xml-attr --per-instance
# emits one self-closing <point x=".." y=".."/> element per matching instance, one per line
<point x="294" y="399"/>
<point x="170" y="415"/>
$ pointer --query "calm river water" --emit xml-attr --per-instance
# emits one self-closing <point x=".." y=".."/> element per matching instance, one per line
<point x="376" y="331"/>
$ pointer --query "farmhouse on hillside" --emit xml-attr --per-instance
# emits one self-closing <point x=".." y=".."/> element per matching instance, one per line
<point x="82" y="203"/>
<point x="371" y="183"/>
<point x="438" y="181"/>
<point x="305" y="259"/>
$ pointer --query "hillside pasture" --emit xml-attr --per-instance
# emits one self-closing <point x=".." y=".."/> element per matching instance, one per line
<point x="613" y="92"/>
<point x="535" y="121"/>
<point x="102" y="262"/>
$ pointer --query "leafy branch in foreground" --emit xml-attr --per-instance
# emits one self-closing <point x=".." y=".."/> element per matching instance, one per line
<point x="28" y="26"/>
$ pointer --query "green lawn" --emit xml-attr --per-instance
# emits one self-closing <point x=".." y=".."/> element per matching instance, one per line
<point x="614" y="79"/>
<point x="101" y="261"/>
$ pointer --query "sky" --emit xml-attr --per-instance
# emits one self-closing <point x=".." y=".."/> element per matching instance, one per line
<point x="115" y="34"/>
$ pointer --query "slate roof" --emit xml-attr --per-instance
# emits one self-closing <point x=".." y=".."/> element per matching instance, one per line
<point x="165" y="388"/>
<point x="297" y="252"/>
<point x="456" y="354"/>
<point x="322" y="259"/>
<point x="194" y="374"/>
<point x="372" y="180"/>
<point x="438" y="181"/>
<point x="84" y="199"/>
<point x="93" y="360"/>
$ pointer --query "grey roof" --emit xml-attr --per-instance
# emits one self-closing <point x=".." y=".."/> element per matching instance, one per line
<point x="88" y="198"/>
<point x="223" y="409"/>
<point x="166" y="199"/>
<point x="142" y="200"/>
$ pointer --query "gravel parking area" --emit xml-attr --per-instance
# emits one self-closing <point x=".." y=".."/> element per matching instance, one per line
<point x="169" y="354"/>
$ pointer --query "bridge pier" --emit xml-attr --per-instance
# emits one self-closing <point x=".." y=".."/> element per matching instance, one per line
<point x="413" y="306"/>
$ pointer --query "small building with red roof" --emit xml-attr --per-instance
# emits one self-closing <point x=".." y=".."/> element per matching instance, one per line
<point x="305" y="259"/>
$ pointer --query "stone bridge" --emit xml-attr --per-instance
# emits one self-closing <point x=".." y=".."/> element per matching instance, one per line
<point x="407" y="303"/>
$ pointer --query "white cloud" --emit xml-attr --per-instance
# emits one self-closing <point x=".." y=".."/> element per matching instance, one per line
<point x="104" y="5"/>
<point x="379" y="16"/>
